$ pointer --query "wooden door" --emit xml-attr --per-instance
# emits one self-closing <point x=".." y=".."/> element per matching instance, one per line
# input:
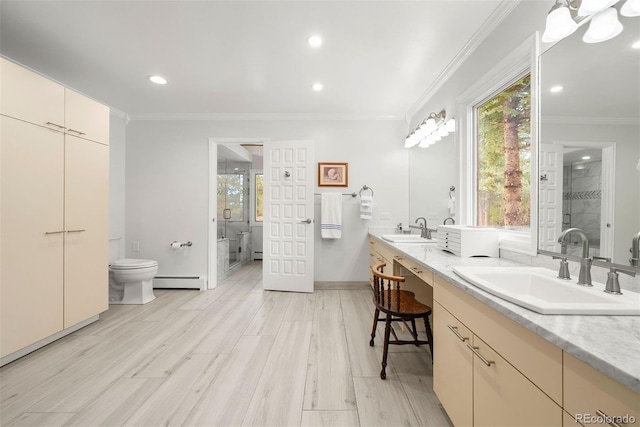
<point x="288" y="216"/>
<point x="452" y="366"/>
<point x="550" y="200"/>
<point x="87" y="230"/>
<point x="31" y="224"/>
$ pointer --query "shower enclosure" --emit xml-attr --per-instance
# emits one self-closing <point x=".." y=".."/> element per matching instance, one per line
<point x="233" y="214"/>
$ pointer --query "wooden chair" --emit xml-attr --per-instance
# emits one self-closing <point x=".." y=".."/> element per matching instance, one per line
<point x="400" y="306"/>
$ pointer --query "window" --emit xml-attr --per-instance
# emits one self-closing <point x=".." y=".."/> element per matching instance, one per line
<point x="259" y="186"/>
<point x="231" y="197"/>
<point x="503" y="158"/>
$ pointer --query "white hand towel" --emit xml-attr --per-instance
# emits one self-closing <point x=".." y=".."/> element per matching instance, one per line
<point x="452" y="206"/>
<point x="331" y="216"/>
<point x="366" y="207"/>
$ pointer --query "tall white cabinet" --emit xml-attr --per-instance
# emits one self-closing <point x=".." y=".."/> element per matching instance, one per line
<point x="54" y="158"/>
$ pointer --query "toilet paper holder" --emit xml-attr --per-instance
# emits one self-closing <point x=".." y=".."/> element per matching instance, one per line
<point x="176" y="244"/>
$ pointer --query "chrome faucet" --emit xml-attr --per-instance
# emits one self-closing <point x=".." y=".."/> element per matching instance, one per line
<point x="584" y="277"/>
<point x="453" y="221"/>
<point x="635" y="251"/>
<point x="613" y="285"/>
<point x="425" y="232"/>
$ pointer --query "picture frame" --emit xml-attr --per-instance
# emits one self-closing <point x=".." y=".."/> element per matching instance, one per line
<point x="333" y="174"/>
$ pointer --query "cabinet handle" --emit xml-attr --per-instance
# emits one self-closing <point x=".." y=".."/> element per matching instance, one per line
<point x="454" y="329"/>
<point x="76" y="231"/>
<point x="477" y="353"/>
<point x="399" y="258"/>
<point x="76" y="131"/>
<point x="56" y="125"/>
<point x="607" y="419"/>
<point x="54" y="232"/>
<point x="416" y="270"/>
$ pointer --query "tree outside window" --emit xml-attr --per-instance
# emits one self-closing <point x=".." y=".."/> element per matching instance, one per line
<point x="231" y="197"/>
<point x="503" y="158"/>
<point x="259" y="197"/>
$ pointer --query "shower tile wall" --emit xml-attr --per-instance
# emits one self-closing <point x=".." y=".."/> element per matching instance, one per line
<point x="582" y="201"/>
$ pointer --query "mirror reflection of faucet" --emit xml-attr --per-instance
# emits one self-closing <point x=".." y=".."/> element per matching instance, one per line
<point x="635" y="251"/>
<point x="453" y="221"/>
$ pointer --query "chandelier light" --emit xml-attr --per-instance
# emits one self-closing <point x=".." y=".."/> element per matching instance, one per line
<point x="431" y="130"/>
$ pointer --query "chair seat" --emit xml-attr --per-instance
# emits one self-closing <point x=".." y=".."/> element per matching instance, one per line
<point x="401" y="303"/>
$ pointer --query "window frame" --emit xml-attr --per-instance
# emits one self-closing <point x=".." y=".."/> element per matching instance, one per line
<point x="252" y="198"/>
<point x="523" y="60"/>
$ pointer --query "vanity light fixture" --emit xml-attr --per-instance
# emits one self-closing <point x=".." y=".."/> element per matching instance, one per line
<point x="159" y="80"/>
<point x="431" y="130"/>
<point x="603" y="26"/>
<point x="556" y="89"/>
<point x="566" y="15"/>
<point x="586" y="157"/>
<point x="630" y="8"/>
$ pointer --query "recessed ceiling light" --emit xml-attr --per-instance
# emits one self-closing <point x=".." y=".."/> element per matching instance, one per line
<point x="317" y="87"/>
<point x="636" y="45"/>
<point x="556" y="89"/>
<point x="586" y="157"/>
<point x="158" y="80"/>
<point x="314" y="41"/>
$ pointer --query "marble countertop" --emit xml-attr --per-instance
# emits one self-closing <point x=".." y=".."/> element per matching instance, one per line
<point x="610" y="344"/>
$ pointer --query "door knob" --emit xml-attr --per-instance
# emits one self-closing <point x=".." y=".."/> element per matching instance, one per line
<point x="306" y="221"/>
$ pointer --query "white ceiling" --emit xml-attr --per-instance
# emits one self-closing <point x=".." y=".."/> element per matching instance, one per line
<point x="242" y="58"/>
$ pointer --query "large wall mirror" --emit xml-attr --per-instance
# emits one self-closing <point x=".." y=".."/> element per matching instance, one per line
<point x="590" y="143"/>
<point x="432" y="173"/>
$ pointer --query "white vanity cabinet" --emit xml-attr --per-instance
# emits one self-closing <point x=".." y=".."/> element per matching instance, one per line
<point x="54" y="210"/>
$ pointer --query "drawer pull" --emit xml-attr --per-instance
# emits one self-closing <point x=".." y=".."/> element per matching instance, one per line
<point x="454" y="329"/>
<point x="76" y="231"/>
<point x="481" y="357"/>
<point x="399" y="258"/>
<point x="76" y="131"/>
<point x="56" y="125"/>
<point x="416" y="270"/>
<point x="54" y="232"/>
<point x="607" y="419"/>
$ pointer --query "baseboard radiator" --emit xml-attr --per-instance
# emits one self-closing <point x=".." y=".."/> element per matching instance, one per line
<point x="179" y="282"/>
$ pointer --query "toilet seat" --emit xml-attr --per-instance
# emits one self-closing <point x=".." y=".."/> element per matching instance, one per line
<point x="133" y="264"/>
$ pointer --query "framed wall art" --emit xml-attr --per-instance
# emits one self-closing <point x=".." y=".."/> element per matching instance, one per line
<point x="333" y="174"/>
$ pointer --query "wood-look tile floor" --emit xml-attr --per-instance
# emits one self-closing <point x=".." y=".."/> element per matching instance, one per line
<point x="236" y="355"/>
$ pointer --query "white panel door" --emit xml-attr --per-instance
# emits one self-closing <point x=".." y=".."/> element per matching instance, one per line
<point x="288" y="216"/>
<point x="550" y="215"/>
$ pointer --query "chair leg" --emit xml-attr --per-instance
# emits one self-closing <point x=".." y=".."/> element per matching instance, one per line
<point x="387" y="332"/>
<point x="373" y="328"/>
<point x="427" y="326"/>
<point x="415" y="331"/>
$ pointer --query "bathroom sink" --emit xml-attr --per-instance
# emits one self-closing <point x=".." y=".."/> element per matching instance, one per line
<point x="406" y="238"/>
<point x="539" y="289"/>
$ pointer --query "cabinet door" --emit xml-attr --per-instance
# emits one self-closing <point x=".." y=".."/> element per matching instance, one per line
<point x="504" y="397"/>
<point x="452" y="366"/>
<point x="86" y="118"/>
<point x="28" y="96"/>
<point x="31" y="260"/>
<point x="86" y="222"/>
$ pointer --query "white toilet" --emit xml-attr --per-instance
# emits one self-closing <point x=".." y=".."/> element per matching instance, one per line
<point x="131" y="281"/>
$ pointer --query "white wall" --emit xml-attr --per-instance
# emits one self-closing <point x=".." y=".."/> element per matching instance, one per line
<point x="167" y="186"/>
<point x="117" y="133"/>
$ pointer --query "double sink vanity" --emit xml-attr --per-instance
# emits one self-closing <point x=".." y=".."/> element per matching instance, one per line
<point x="514" y="345"/>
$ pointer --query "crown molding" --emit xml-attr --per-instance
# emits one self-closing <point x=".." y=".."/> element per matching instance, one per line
<point x="121" y="115"/>
<point x="600" y="121"/>
<point x="499" y="14"/>
<point x="264" y="117"/>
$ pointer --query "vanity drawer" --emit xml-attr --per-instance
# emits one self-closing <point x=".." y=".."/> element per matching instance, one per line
<point x="537" y="359"/>
<point x="587" y="391"/>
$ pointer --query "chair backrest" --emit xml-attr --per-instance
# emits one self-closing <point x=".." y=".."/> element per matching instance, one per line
<point x="386" y="288"/>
